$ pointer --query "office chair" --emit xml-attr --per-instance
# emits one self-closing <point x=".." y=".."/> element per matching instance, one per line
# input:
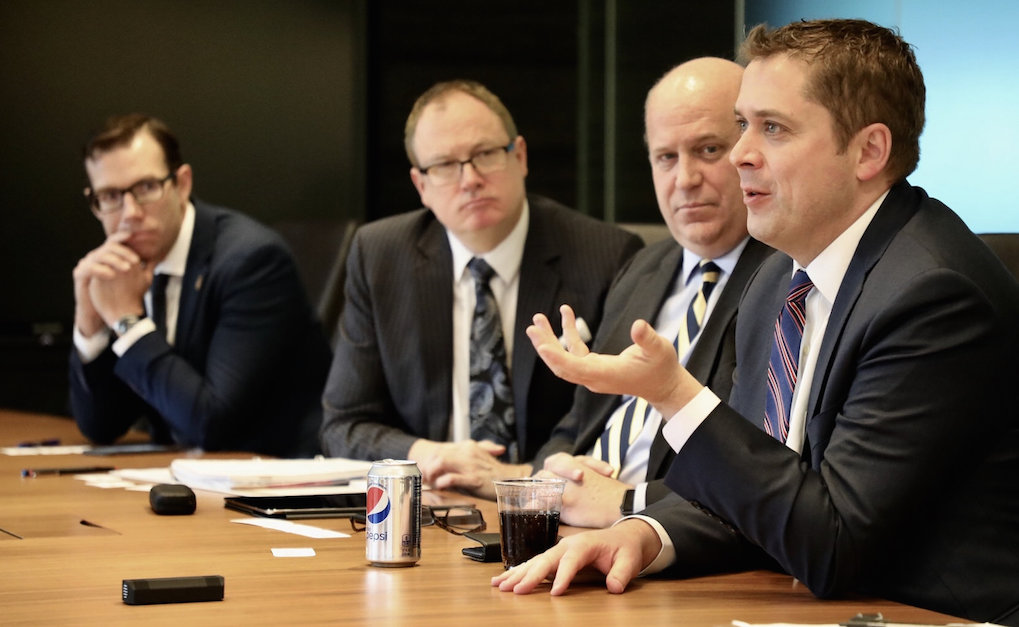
<point x="1006" y="247"/>
<point x="320" y="249"/>
<point x="651" y="232"/>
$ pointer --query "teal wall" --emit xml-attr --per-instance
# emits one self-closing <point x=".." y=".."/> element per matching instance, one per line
<point x="968" y="52"/>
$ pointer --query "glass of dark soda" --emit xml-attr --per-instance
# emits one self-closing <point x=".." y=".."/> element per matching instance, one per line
<point x="528" y="516"/>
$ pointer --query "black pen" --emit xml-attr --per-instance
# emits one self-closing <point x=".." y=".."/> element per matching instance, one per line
<point x="29" y="472"/>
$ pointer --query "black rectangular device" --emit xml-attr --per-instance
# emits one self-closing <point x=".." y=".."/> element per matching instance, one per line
<point x="173" y="590"/>
<point x="296" y="507"/>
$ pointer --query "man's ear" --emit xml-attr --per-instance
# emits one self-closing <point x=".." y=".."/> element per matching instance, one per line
<point x="185" y="181"/>
<point x="418" y="179"/>
<point x="874" y="146"/>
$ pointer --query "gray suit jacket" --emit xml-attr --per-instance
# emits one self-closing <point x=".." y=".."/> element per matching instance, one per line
<point x="907" y="486"/>
<point x="638" y="293"/>
<point x="391" y="379"/>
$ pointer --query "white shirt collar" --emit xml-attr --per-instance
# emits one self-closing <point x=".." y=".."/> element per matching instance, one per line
<point x="828" y="269"/>
<point x="176" y="260"/>
<point x="726" y="262"/>
<point x="504" y="258"/>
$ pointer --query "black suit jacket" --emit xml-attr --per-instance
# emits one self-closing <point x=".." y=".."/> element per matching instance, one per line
<point x="249" y="360"/>
<point x="907" y="486"/>
<point x="391" y="381"/>
<point x="639" y="292"/>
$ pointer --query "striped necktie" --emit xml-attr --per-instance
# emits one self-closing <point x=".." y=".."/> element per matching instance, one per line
<point x="629" y="419"/>
<point x="698" y="306"/>
<point x="785" y="357"/>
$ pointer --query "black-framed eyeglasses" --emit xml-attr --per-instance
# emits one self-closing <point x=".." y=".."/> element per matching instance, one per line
<point x="111" y="199"/>
<point x="458" y="520"/>
<point x="484" y="162"/>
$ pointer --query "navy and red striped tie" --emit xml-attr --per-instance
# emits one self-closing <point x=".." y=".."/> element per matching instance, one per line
<point x="785" y="356"/>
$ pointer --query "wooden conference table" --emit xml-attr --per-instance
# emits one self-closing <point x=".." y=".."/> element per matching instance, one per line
<point x="62" y="571"/>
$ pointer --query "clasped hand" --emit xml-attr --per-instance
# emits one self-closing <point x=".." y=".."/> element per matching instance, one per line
<point x="109" y="282"/>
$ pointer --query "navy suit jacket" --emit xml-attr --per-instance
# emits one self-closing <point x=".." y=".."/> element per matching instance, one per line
<point x="908" y="484"/>
<point x="248" y="364"/>
<point x="391" y="380"/>
<point x="639" y="292"/>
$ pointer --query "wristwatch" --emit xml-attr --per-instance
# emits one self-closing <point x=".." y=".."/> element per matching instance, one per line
<point x="124" y="324"/>
<point x="626" y="507"/>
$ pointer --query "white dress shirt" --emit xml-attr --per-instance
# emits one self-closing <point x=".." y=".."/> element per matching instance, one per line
<point x="505" y="260"/>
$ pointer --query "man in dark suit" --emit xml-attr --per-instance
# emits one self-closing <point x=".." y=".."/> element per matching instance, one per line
<point x="400" y="378"/>
<point x="872" y="441"/>
<point x="689" y="132"/>
<point x="223" y="352"/>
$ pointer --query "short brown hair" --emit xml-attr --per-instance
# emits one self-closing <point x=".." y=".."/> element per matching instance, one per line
<point x="119" y="130"/>
<point x="438" y="92"/>
<point x="861" y="72"/>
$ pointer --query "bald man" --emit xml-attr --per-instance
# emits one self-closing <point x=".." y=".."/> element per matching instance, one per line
<point x="611" y="447"/>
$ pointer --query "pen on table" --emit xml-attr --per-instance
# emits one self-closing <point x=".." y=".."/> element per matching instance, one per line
<point x="50" y="442"/>
<point x="79" y="470"/>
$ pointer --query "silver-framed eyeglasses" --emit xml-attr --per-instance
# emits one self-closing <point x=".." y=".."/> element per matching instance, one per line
<point x="111" y="199"/>
<point x="484" y="162"/>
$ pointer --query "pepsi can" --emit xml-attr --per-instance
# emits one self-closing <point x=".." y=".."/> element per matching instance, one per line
<point x="393" y="515"/>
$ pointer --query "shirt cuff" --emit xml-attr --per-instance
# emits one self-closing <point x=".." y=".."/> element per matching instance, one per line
<point x="666" y="556"/>
<point x="89" y="348"/>
<point x="681" y="426"/>
<point x="640" y="496"/>
<point x="126" y="341"/>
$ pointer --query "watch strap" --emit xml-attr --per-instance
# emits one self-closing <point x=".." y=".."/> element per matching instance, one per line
<point x="626" y="507"/>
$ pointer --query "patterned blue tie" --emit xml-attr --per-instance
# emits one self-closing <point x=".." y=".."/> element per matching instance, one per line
<point x="491" y="394"/>
<point x="785" y="356"/>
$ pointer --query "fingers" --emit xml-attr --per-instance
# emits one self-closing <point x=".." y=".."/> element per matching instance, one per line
<point x="491" y="448"/>
<point x="600" y="466"/>
<point x="524" y="578"/>
<point x="574" y="342"/>
<point x="563" y="465"/>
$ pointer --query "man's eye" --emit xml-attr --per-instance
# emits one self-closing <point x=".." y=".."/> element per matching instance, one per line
<point x="146" y="187"/>
<point x="741" y="125"/>
<point x="108" y="195"/>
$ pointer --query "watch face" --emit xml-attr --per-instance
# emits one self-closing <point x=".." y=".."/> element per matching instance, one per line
<point x="124" y="325"/>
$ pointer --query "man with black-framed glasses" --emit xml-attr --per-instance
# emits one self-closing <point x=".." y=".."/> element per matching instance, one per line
<point x="189" y="316"/>
<point x="432" y="363"/>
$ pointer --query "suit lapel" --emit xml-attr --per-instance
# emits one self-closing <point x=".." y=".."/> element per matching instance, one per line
<point x="539" y="283"/>
<point x="433" y="284"/>
<point x="203" y="244"/>
<point x="703" y="359"/>
<point x="651" y="289"/>
<point x="893" y="213"/>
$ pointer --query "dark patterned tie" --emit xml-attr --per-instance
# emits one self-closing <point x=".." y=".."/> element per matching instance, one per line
<point x="159" y="302"/>
<point x="698" y="307"/>
<point x="491" y="393"/>
<point x="785" y="356"/>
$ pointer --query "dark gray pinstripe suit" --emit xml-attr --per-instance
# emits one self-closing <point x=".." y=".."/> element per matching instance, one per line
<point x="639" y="293"/>
<point x="391" y="379"/>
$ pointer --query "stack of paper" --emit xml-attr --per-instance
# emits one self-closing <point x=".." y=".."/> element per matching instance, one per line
<point x="229" y="475"/>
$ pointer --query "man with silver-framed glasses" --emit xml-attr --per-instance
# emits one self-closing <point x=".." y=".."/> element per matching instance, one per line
<point x="189" y="316"/>
<point x="432" y="363"/>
